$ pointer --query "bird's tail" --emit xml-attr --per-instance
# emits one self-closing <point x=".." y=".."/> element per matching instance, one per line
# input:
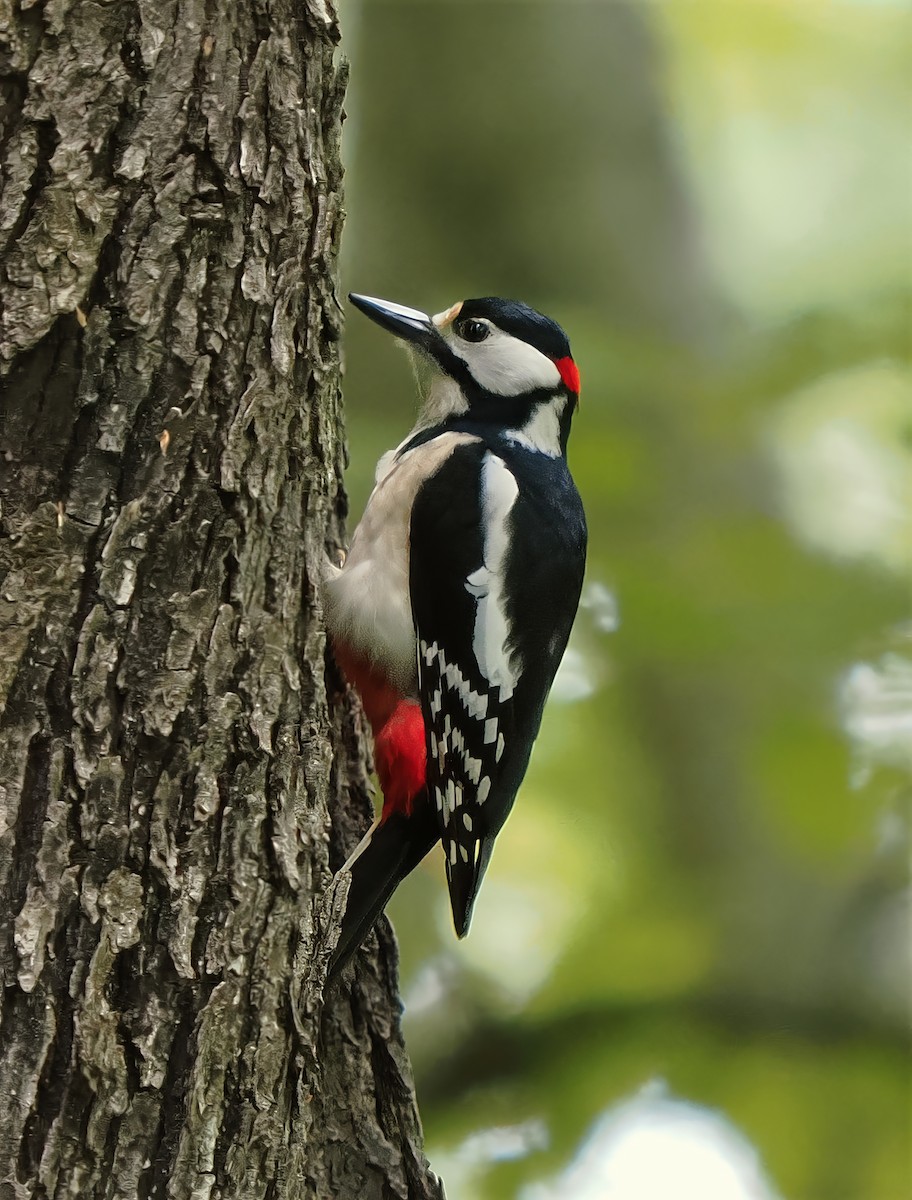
<point x="386" y="854"/>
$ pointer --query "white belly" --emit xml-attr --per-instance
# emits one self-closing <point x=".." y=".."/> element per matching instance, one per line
<point x="367" y="602"/>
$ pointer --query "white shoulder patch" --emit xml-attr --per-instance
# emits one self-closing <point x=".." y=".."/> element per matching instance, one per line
<point x="499" y="490"/>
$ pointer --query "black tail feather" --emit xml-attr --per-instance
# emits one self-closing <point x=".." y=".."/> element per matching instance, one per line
<point x="464" y="888"/>
<point x="396" y="847"/>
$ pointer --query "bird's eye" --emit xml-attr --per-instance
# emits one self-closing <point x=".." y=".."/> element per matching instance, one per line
<point x="473" y="331"/>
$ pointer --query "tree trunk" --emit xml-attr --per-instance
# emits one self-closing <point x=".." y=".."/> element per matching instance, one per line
<point x="178" y="774"/>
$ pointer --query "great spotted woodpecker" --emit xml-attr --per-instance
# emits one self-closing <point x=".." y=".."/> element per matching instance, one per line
<point x="453" y="608"/>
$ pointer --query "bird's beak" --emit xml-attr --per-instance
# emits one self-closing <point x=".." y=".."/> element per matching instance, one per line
<point x="406" y="323"/>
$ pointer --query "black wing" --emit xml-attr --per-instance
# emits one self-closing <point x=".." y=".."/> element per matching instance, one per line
<point x="493" y="600"/>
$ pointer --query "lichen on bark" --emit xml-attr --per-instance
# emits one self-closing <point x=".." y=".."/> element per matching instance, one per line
<point x="180" y="769"/>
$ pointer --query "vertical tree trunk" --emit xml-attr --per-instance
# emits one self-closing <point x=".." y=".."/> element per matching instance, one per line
<point x="170" y="759"/>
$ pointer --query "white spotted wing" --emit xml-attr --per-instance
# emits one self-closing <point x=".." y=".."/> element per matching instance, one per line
<point x="468" y="666"/>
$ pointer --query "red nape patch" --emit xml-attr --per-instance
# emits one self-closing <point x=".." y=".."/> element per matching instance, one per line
<point x="400" y="757"/>
<point x="569" y="372"/>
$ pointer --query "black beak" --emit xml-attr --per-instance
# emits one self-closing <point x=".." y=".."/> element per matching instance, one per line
<point x="406" y="323"/>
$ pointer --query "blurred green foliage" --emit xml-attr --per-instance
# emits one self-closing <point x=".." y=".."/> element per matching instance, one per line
<point x="704" y="877"/>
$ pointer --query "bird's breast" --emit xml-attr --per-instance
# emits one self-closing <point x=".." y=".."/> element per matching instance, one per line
<point x="367" y="603"/>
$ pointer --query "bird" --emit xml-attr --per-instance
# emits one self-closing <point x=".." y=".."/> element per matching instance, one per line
<point x="454" y="604"/>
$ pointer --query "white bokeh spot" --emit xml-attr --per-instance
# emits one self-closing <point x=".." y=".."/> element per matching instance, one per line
<point x="656" y="1147"/>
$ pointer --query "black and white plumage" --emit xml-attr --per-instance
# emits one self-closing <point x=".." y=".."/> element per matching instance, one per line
<point x="460" y="590"/>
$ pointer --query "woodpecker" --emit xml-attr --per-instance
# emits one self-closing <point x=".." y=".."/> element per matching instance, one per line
<point x="452" y="610"/>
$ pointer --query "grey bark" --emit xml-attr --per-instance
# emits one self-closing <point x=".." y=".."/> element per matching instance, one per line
<point x="179" y="768"/>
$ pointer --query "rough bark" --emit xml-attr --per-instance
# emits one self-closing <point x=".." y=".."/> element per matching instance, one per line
<point x="178" y="774"/>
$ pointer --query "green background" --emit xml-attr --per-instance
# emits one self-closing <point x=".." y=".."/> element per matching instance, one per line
<point x="690" y="954"/>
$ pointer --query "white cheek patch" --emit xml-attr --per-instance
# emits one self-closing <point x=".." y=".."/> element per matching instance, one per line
<point x="505" y="365"/>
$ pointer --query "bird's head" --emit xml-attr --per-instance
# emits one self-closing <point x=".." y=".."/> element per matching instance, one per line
<point x="492" y="361"/>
